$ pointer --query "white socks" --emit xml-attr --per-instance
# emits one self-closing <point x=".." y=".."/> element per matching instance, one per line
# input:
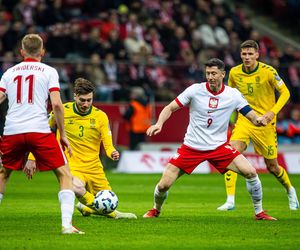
<point x="255" y="190"/>
<point x="159" y="198"/>
<point x="1" y="197"/>
<point x="66" y="198"/>
<point x="230" y="199"/>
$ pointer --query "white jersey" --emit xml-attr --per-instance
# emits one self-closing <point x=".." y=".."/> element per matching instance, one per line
<point x="27" y="86"/>
<point x="209" y="114"/>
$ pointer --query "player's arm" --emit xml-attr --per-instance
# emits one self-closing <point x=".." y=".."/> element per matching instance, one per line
<point x="284" y="95"/>
<point x="2" y="97"/>
<point x="58" y="111"/>
<point x="252" y="116"/>
<point x="163" y="117"/>
<point x="106" y="137"/>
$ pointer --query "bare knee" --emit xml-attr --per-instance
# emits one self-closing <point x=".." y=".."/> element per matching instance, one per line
<point x="64" y="177"/>
<point x="78" y="187"/>
<point x="272" y="166"/>
<point x="163" y="186"/>
<point x="251" y="173"/>
<point x="4" y="173"/>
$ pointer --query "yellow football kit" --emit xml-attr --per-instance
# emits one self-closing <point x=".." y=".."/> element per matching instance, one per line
<point x="258" y="87"/>
<point x="85" y="134"/>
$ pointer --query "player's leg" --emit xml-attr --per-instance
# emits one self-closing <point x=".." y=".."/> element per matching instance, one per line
<point x="282" y="176"/>
<point x="13" y="151"/>
<point x="4" y="176"/>
<point x="66" y="198"/>
<point x="242" y="166"/>
<point x="265" y="144"/>
<point x="230" y="179"/>
<point x="170" y="175"/>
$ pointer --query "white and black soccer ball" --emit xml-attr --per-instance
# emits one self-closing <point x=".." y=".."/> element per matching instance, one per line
<point x="106" y="201"/>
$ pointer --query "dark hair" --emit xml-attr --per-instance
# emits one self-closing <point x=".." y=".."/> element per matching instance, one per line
<point x="250" y="44"/>
<point x="215" y="62"/>
<point x="83" y="87"/>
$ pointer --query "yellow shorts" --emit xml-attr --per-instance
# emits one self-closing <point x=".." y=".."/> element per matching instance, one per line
<point x="94" y="182"/>
<point x="264" y="139"/>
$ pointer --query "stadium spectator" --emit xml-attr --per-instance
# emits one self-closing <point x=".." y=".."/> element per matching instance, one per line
<point x="87" y="128"/>
<point x="138" y="115"/>
<point x="26" y="128"/>
<point x="257" y="82"/>
<point x="211" y="105"/>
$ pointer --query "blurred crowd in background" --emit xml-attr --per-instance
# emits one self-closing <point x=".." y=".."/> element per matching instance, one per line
<point x="159" y="45"/>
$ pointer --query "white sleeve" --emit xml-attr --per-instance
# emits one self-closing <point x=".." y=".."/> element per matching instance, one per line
<point x="53" y="79"/>
<point x="186" y="96"/>
<point x="240" y="100"/>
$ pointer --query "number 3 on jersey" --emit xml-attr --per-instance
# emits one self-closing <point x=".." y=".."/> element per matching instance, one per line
<point x="20" y="81"/>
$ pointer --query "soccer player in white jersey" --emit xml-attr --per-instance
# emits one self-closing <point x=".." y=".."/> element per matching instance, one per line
<point x="27" y="86"/>
<point x="211" y="103"/>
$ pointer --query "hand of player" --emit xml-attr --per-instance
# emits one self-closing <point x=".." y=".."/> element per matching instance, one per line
<point x="29" y="169"/>
<point x="65" y="144"/>
<point x="115" y="155"/>
<point x="269" y="116"/>
<point x="261" y="121"/>
<point x="153" y="130"/>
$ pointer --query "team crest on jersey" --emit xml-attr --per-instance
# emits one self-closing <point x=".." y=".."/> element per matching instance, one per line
<point x="213" y="102"/>
<point x="92" y="122"/>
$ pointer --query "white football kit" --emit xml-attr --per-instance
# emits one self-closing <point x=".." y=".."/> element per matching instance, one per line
<point x="27" y="86"/>
<point x="209" y="114"/>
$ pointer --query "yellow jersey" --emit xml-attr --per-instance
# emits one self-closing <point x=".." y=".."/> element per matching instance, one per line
<point x="85" y="134"/>
<point x="258" y="87"/>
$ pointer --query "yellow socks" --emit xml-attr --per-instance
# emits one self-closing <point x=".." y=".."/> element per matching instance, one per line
<point x="283" y="178"/>
<point x="230" y="181"/>
<point x="87" y="199"/>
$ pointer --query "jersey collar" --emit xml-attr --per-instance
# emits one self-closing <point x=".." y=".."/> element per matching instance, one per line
<point x="252" y="71"/>
<point x="220" y="91"/>
<point x="30" y="60"/>
<point x="76" y="112"/>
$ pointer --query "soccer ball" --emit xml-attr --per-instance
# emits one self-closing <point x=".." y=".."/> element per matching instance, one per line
<point x="106" y="201"/>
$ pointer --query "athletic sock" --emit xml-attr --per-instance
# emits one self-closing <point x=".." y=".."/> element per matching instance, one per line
<point x="87" y="199"/>
<point x="66" y="198"/>
<point x="255" y="190"/>
<point x="230" y="184"/>
<point x="159" y="198"/>
<point x="1" y="197"/>
<point x="283" y="178"/>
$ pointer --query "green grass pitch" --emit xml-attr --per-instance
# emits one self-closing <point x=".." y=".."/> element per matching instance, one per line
<point x="30" y="216"/>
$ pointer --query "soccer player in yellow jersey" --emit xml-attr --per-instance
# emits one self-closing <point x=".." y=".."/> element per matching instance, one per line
<point x="258" y="81"/>
<point x="86" y="128"/>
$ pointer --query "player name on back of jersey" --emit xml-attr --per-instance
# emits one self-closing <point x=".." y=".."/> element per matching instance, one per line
<point x="29" y="67"/>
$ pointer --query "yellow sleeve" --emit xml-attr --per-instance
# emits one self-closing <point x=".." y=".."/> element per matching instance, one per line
<point x="231" y="80"/>
<point x="284" y="93"/>
<point x="106" y="136"/>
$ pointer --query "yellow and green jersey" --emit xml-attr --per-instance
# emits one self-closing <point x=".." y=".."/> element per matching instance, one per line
<point x="258" y="87"/>
<point x="85" y="134"/>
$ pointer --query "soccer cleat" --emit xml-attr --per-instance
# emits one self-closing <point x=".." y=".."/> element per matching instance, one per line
<point x="80" y="207"/>
<point x="152" y="213"/>
<point x="71" y="230"/>
<point x="120" y="215"/>
<point x="293" y="200"/>
<point x="226" y="207"/>
<point x="263" y="216"/>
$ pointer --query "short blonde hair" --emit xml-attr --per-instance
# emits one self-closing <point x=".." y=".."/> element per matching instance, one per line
<point x="32" y="44"/>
